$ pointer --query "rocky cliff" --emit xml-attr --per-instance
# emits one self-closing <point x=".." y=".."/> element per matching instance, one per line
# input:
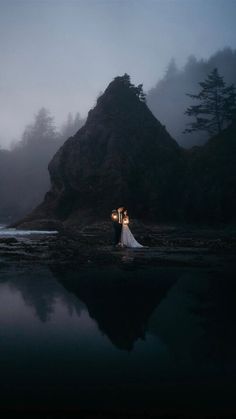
<point x="121" y="156"/>
<point x="210" y="180"/>
<point x="124" y="156"/>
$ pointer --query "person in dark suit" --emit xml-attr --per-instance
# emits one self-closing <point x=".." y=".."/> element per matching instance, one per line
<point x="117" y="219"/>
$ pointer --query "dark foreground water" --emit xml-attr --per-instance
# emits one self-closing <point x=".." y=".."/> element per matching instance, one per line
<point x="116" y="337"/>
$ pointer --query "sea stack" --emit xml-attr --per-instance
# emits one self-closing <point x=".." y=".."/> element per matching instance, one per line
<point x="122" y="156"/>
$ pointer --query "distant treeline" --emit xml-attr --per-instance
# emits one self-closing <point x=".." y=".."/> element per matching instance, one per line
<point x="168" y="100"/>
<point x="123" y="154"/>
<point x="24" y="177"/>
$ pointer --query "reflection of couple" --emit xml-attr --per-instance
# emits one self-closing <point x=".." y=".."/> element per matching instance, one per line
<point x="122" y="234"/>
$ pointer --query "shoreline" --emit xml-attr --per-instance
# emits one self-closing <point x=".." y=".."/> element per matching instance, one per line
<point x="164" y="245"/>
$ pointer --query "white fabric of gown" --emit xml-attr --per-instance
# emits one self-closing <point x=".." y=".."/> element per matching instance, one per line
<point x="127" y="238"/>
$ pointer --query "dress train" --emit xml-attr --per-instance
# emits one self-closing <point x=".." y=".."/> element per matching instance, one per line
<point x="127" y="238"/>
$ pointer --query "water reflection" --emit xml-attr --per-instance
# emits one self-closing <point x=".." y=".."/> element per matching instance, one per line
<point x="120" y="300"/>
<point x="38" y="289"/>
<point x="197" y="319"/>
<point x="114" y="336"/>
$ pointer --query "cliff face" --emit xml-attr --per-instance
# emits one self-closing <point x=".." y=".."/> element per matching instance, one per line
<point x="124" y="156"/>
<point x="210" y="185"/>
<point x="121" y="156"/>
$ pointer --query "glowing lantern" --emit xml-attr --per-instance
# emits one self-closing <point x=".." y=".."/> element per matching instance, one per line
<point x="114" y="216"/>
<point x="126" y="219"/>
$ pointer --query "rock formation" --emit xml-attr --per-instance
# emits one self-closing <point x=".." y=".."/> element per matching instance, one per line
<point x="210" y="180"/>
<point x="121" y="156"/>
<point x="124" y="156"/>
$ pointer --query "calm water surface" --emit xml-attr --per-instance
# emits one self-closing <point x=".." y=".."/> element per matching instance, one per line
<point x="116" y="336"/>
<point x="13" y="232"/>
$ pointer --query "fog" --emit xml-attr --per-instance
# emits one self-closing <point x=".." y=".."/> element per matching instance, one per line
<point x="168" y="100"/>
<point x="62" y="54"/>
<point x="24" y="177"/>
<point x="57" y="56"/>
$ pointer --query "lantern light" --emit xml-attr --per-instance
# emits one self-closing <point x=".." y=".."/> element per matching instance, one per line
<point x="126" y="220"/>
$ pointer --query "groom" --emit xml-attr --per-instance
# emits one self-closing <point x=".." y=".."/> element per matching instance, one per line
<point x="117" y="218"/>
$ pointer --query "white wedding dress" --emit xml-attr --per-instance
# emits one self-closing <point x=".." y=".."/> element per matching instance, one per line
<point x="127" y="238"/>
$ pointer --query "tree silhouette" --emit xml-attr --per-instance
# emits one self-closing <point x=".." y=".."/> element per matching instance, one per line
<point x="172" y="69"/>
<point x="217" y="105"/>
<point x="71" y="126"/>
<point x="137" y="90"/>
<point x="42" y="130"/>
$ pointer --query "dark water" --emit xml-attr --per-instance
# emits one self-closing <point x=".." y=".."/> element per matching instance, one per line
<point x="117" y="337"/>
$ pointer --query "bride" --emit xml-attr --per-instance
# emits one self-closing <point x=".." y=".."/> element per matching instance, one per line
<point x="127" y="238"/>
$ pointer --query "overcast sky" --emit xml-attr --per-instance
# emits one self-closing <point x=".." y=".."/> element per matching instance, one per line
<point x="62" y="53"/>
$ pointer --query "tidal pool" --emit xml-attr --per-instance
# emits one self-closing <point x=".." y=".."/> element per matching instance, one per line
<point x="113" y="337"/>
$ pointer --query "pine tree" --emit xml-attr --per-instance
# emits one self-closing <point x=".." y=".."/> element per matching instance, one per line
<point x="172" y="70"/>
<point x="71" y="126"/>
<point x="217" y="105"/>
<point x="137" y="90"/>
<point x="41" y="131"/>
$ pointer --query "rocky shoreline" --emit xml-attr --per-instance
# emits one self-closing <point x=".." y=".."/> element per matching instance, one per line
<point x="164" y="245"/>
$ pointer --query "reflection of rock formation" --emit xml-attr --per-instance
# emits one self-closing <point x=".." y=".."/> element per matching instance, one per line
<point x="197" y="319"/>
<point x="40" y="291"/>
<point x="121" y="301"/>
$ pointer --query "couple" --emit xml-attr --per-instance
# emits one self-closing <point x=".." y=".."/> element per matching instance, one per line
<point x="122" y="234"/>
